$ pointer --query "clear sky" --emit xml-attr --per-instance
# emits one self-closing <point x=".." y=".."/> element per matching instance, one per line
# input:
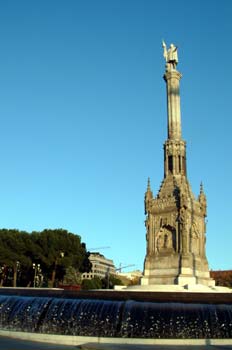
<point x="83" y="116"/>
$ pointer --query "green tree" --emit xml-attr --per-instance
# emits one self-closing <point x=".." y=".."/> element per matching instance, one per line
<point x="72" y="277"/>
<point x="110" y="281"/>
<point x="57" y="250"/>
<point x="13" y="255"/>
<point x="86" y="265"/>
<point x="53" y="250"/>
<point x="94" y="283"/>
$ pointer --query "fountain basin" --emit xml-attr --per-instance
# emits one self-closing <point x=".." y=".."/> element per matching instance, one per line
<point x="156" y="317"/>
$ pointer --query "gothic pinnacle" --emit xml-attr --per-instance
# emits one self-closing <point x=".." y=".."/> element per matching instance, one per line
<point x="201" y="188"/>
<point x="148" y="193"/>
<point x="148" y="196"/>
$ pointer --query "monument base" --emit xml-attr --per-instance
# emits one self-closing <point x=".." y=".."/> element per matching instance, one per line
<point x="176" y="270"/>
<point x="192" y="288"/>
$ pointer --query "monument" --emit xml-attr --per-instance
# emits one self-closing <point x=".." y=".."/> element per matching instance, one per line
<point x="175" y="225"/>
<point x="175" y="219"/>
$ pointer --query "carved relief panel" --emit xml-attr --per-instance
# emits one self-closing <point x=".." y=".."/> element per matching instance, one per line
<point x="166" y="240"/>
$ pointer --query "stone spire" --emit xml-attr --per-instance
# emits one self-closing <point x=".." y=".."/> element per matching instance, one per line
<point x="148" y="197"/>
<point x="175" y="220"/>
<point x="202" y="200"/>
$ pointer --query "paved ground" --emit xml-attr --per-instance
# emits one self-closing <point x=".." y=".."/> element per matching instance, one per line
<point x="152" y="347"/>
<point x="14" y="344"/>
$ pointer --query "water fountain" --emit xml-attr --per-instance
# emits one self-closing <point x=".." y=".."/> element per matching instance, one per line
<point x="124" y="316"/>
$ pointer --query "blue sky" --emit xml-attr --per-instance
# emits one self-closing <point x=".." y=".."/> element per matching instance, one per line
<point x="83" y="116"/>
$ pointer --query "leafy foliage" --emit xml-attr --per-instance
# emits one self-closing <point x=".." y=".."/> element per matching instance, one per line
<point x="72" y="277"/>
<point x="37" y="258"/>
<point x="110" y="281"/>
<point x="94" y="283"/>
<point x="105" y="283"/>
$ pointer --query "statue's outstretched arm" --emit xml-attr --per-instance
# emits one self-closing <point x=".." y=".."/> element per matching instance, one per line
<point x="165" y="50"/>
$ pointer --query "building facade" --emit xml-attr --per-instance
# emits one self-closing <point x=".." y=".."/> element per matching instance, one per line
<point x="136" y="274"/>
<point x="101" y="267"/>
<point x="175" y="219"/>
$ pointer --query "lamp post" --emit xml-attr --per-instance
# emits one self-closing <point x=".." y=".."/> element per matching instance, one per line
<point x="15" y="273"/>
<point x="60" y="256"/>
<point x="37" y="270"/>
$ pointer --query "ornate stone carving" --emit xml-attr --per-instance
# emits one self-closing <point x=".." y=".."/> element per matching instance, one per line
<point x="202" y="201"/>
<point x="165" y="240"/>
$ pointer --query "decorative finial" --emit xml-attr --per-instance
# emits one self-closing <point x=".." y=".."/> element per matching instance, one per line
<point x="148" y="194"/>
<point x="202" y="200"/>
<point x="170" y="56"/>
<point x="148" y="197"/>
<point x="201" y="187"/>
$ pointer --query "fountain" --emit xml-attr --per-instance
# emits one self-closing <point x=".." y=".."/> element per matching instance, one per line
<point x="117" y="315"/>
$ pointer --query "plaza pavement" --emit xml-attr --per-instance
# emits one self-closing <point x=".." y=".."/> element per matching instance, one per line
<point x="17" y="344"/>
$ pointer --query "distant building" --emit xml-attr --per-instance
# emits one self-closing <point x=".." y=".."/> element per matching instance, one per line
<point x="100" y="266"/>
<point x="222" y="277"/>
<point x="131" y="275"/>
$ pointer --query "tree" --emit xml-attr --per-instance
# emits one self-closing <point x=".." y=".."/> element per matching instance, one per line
<point x="51" y="251"/>
<point x="72" y="277"/>
<point x="94" y="283"/>
<point x="86" y="265"/>
<point x="13" y="255"/>
<point x="57" y="250"/>
<point x="110" y="281"/>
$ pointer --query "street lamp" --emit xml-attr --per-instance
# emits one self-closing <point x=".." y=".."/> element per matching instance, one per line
<point x="59" y="256"/>
<point x="16" y="270"/>
<point x="36" y="268"/>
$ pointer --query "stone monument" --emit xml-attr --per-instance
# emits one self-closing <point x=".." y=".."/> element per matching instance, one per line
<point x="175" y="219"/>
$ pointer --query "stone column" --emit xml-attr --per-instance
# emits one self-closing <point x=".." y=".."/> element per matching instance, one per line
<point x="172" y="79"/>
